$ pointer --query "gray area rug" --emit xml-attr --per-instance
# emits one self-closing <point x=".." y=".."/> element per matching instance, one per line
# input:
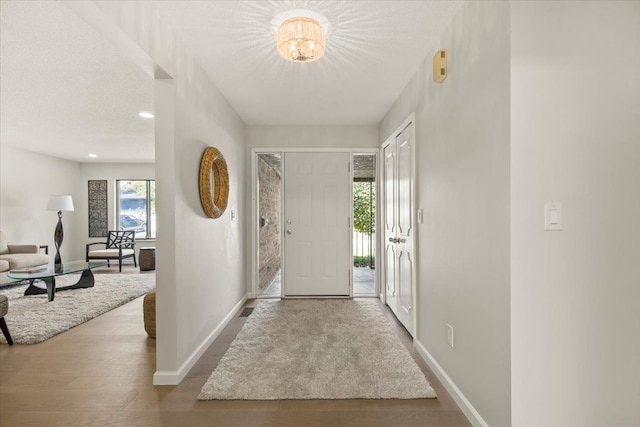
<point x="33" y="319"/>
<point x="316" y="349"/>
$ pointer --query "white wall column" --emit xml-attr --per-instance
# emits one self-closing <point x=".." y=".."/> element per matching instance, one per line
<point x="575" y="136"/>
<point x="166" y="299"/>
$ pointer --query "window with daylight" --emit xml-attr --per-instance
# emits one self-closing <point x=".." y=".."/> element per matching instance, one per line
<point x="136" y="202"/>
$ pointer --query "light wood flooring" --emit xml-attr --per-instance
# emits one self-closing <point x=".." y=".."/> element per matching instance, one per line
<point x="100" y="374"/>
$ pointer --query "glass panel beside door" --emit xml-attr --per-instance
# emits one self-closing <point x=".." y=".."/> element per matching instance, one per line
<point x="269" y="173"/>
<point x="364" y="224"/>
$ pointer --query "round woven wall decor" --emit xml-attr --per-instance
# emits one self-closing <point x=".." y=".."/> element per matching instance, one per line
<point x="214" y="183"/>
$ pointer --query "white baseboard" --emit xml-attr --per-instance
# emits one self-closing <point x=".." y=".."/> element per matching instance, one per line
<point x="175" y="377"/>
<point x="471" y="413"/>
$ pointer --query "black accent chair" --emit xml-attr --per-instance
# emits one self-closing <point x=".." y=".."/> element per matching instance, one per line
<point x="120" y="245"/>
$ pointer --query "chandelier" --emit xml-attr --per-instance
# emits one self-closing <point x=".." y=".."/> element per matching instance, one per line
<point x="300" y="39"/>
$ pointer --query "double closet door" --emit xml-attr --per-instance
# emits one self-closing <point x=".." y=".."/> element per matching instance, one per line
<point x="399" y="229"/>
<point x="317" y="226"/>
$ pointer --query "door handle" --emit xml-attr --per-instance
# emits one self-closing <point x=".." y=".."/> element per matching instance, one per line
<point x="397" y="240"/>
<point x="289" y="231"/>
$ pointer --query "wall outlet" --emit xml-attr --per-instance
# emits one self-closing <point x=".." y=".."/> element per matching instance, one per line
<point x="450" y="335"/>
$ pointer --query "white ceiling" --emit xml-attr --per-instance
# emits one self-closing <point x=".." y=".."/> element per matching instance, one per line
<point x="373" y="48"/>
<point x="65" y="91"/>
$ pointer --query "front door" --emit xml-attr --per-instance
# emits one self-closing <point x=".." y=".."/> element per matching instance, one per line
<point x="399" y="230"/>
<point x="317" y="224"/>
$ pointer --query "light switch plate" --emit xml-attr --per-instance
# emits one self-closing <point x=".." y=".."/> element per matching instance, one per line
<point x="553" y="216"/>
<point x="420" y="216"/>
<point x="233" y="215"/>
<point x="450" y="335"/>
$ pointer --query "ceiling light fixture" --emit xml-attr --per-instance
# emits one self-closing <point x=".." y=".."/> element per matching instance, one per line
<point x="300" y="39"/>
<point x="93" y="156"/>
<point x="146" y="115"/>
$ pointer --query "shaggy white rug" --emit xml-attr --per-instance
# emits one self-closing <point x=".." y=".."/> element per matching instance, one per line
<point x="316" y="349"/>
<point x="33" y="319"/>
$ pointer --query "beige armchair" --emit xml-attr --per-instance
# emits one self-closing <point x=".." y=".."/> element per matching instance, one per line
<point x="19" y="256"/>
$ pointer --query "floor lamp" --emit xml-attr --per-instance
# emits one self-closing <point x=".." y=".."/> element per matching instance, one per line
<point x="59" y="203"/>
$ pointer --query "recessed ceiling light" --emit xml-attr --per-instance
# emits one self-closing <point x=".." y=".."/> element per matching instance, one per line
<point x="93" y="156"/>
<point x="146" y="115"/>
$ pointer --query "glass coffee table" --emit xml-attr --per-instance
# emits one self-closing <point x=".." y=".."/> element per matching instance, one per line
<point x="48" y="274"/>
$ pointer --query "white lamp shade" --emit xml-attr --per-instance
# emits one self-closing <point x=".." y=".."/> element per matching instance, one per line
<point x="60" y="203"/>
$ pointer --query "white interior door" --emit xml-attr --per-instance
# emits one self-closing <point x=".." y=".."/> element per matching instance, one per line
<point x="317" y="224"/>
<point x="399" y="233"/>
<point x="390" y="225"/>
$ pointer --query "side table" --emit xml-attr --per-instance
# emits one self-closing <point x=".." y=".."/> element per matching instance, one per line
<point x="147" y="258"/>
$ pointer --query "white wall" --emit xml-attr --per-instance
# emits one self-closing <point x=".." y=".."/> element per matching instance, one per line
<point x="210" y="258"/>
<point x="575" y="299"/>
<point x="109" y="172"/>
<point x="201" y="274"/>
<point x="462" y="143"/>
<point x="312" y="136"/>
<point x="27" y="180"/>
<point x="166" y="280"/>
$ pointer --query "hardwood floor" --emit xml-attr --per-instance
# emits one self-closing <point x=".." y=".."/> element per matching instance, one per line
<point x="100" y="374"/>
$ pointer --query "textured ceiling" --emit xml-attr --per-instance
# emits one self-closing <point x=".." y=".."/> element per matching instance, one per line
<point x="373" y="48"/>
<point x="66" y="91"/>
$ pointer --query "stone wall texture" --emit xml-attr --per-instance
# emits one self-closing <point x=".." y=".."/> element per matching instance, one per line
<point x="269" y="235"/>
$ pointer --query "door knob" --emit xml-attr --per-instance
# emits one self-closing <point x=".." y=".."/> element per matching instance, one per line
<point x="393" y="240"/>
<point x="289" y="231"/>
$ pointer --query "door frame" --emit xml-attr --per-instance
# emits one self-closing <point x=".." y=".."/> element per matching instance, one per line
<point x="382" y="289"/>
<point x="254" y="214"/>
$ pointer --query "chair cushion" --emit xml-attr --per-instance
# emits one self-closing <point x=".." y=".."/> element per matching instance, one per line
<point x="25" y="260"/>
<point x="23" y="249"/>
<point x="4" y="265"/>
<point x="112" y="253"/>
